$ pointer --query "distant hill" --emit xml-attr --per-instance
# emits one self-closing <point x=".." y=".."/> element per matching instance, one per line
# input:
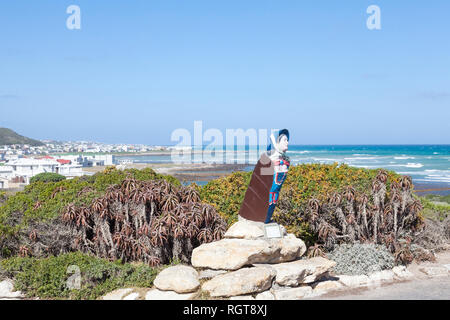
<point x="8" y="137"/>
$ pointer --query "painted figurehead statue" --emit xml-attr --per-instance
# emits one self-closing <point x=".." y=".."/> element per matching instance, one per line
<point x="267" y="179"/>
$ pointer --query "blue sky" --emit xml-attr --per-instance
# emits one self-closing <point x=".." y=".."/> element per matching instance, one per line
<point x="137" y="70"/>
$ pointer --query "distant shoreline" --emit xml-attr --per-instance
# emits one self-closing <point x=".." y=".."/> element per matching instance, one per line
<point x="203" y="173"/>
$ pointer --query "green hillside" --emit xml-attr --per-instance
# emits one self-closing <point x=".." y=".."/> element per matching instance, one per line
<point x="9" y="137"/>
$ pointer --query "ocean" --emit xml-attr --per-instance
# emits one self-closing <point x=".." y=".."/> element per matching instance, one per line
<point x="428" y="165"/>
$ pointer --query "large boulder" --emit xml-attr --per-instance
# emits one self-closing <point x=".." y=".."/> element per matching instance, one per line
<point x="233" y="254"/>
<point x="245" y="229"/>
<point x="180" y="278"/>
<point x="302" y="271"/>
<point x="242" y="282"/>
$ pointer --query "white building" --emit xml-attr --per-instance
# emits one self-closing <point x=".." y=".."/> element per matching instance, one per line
<point x="28" y="167"/>
<point x="90" y="161"/>
<point x="108" y="159"/>
<point x="4" y="183"/>
<point x="70" y="170"/>
<point x="6" y="172"/>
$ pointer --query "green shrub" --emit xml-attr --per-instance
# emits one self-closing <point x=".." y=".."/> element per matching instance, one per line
<point x="330" y="203"/>
<point x="226" y="194"/>
<point x="303" y="182"/>
<point x="436" y="207"/>
<point x="3" y="197"/>
<point x="42" y="201"/>
<point x="47" y="177"/>
<point x="47" y="277"/>
<point x="356" y="259"/>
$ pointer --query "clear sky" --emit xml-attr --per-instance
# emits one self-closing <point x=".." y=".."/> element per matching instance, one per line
<point x="137" y="70"/>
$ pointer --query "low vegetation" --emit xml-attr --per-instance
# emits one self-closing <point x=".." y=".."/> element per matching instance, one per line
<point x="328" y="205"/>
<point x="3" y="197"/>
<point x="365" y="220"/>
<point x="132" y="215"/>
<point x="47" y="177"/>
<point x="357" y="258"/>
<point x="56" y="277"/>
<point x="436" y="207"/>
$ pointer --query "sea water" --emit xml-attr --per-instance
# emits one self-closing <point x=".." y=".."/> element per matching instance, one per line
<point x="426" y="164"/>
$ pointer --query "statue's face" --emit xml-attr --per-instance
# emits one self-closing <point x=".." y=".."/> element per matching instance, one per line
<point x="283" y="144"/>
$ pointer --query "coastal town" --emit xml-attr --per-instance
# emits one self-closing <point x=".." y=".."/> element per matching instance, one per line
<point x="19" y="163"/>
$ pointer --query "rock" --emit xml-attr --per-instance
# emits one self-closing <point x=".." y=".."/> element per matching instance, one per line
<point x="323" y="287"/>
<point x="302" y="271"/>
<point x="155" y="294"/>
<point x="291" y="249"/>
<point x="447" y="266"/>
<point x="7" y="290"/>
<point x="117" y="294"/>
<point x="179" y="278"/>
<point x="232" y="254"/>
<point x="266" y="295"/>
<point x="132" y="296"/>
<point x="242" y="282"/>
<point x="242" y="298"/>
<point x="353" y="281"/>
<point x="209" y="273"/>
<point x="401" y="273"/>
<point x="245" y="229"/>
<point x="435" y="271"/>
<point x="293" y="293"/>
<point x="378" y="277"/>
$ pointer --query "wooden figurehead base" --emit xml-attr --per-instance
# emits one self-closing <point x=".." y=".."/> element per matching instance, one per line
<point x="256" y="200"/>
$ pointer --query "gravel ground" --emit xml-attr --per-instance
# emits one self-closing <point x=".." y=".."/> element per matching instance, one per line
<point x="421" y="287"/>
<point x="437" y="288"/>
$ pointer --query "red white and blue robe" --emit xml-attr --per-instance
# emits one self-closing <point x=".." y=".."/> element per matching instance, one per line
<point x="281" y="167"/>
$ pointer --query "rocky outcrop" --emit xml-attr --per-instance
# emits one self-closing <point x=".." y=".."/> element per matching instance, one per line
<point x="242" y="282"/>
<point x="233" y="254"/>
<point x="180" y="278"/>
<point x="245" y="229"/>
<point x="206" y="274"/>
<point x="302" y="271"/>
<point x="247" y="266"/>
